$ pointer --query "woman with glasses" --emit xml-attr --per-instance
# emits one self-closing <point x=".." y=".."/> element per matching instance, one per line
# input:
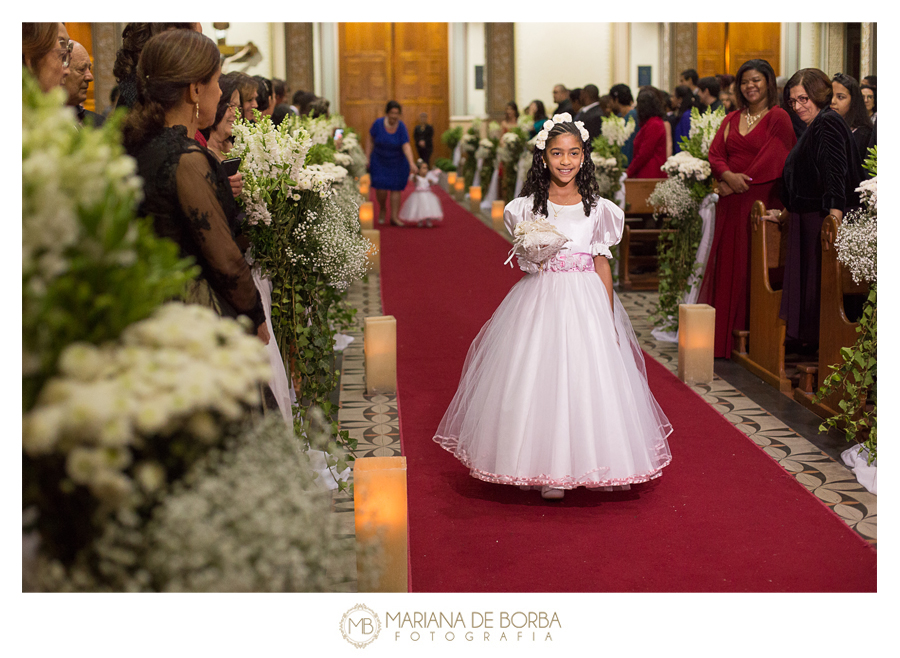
<point x="868" y="96"/>
<point x="46" y="53"/>
<point x="746" y="157"/>
<point x="219" y="135"/>
<point x="820" y="177"/>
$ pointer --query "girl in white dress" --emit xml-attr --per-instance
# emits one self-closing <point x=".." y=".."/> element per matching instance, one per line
<point x="553" y="393"/>
<point x="422" y="207"/>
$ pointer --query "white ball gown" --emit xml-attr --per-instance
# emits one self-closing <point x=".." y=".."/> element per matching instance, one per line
<point x="422" y="204"/>
<point x="554" y="391"/>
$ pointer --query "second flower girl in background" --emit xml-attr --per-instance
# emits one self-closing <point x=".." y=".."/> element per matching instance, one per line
<point x="422" y="207"/>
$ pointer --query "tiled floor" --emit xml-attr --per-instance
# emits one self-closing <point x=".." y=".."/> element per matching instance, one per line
<point x="784" y="429"/>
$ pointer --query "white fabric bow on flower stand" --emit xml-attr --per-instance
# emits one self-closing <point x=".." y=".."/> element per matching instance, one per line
<point x="493" y="191"/>
<point x="457" y="154"/>
<point x="708" y="215"/>
<point x="535" y="242"/>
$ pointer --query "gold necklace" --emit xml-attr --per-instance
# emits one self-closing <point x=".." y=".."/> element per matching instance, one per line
<point x="751" y="119"/>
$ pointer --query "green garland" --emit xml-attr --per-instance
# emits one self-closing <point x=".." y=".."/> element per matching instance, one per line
<point x="857" y="377"/>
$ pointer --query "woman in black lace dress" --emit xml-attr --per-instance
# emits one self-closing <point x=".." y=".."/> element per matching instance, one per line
<point x="185" y="188"/>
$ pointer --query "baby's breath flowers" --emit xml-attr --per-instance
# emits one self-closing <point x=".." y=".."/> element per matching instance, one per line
<point x="857" y="236"/>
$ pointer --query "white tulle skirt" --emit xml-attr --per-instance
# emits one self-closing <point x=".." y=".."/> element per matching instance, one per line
<point x="554" y="392"/>
<point x="420" y="206"/>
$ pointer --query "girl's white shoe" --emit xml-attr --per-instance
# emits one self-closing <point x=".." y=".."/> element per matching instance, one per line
<point x="552" y="493"/>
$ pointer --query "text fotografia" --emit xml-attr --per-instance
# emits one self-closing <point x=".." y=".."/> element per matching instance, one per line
<point x="481" y="626"/>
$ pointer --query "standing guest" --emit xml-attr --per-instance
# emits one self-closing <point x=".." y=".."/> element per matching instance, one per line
<point x="185" y="188"/>
<point x="264" y="95"/>
<point x="591" y="113"/>
<point x="650" y="143"/>
<point x="726" y="98"/>
<point x="134" y="36"/>
<point x="390" y="160"/>
<point x="708" y="93"/>
<point x="681" y="119"/>
<point x="870" y="80"/>
<point x="319" y="107"/>
<point x="219" y="136"/>
<point x="280" y="112"/>
<point x="606" y="105"/>
<point x="690" y="78"/>
<point x="280" y="90"/>
<point x="561" y="98"/>
<point x="46" y="53"/>
<point x="538" y="114"/>
<point x="847" y="101"/>
<point x="575" y="100"/>
<point x="248" y="90"/>
<point x="820" y="176"/>
<point x="423" y="133"/>
<point x="868" y="96"/>
<point x="623" y="105"/>
<point x="78" y="82"/>
<point x="746" y="157"/>
<point x="301" y="102"/>
<point x="510" y="116"/>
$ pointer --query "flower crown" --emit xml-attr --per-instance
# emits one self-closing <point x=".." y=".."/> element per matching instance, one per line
<point x="541" y="138"/>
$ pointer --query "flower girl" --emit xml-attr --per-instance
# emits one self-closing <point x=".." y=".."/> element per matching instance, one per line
<point x="553" y="393"/>
<point x="422" y="206"/>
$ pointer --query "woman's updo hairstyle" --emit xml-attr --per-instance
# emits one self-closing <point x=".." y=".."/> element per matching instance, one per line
<point x="134" y="38"/>
<point x="169" y="63"/>
<point x="538" y="181"/>
<point x="391" y="105"/>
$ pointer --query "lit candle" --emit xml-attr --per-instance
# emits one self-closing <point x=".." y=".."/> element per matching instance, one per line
<point x="380" y="511"/>
<point x="475" y="199"/>
<point x="380" y="351"/>
<point x="451" y="178"/>
<point x="497" y="214"/>
<point x="374" y="253"/>
<point x="696" y="339"/>
<point x="367" y="215"/>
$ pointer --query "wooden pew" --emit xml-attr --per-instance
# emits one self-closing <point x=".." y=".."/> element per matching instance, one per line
<point x="835" y="328"/>
<point x="761" y="349"/>
<point x="638" y="246"/>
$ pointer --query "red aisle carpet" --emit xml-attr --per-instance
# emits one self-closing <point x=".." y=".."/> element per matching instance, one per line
<point x="723" y="517"/>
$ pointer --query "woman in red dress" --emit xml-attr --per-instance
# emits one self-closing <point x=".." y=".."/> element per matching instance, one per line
<point x="650" y="140"/>
<point x="746" y="157"/>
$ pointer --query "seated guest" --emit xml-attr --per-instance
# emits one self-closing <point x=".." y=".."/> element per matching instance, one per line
<point x="709" y="93"/>
<point x="650" y="143"/>
<point x="78" y="82"/>
<point x="820" y="177"/>
<point x="185" y="188"/>
<point x="46" y="53"/>
<point x="847" y="101"/>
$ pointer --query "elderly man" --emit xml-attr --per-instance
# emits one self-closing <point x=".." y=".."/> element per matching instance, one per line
<point x="561" y="98"/>
<point x="77" y="83"/>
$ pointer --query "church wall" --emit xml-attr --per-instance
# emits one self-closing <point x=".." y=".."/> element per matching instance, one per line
<point x="588" y="51"/>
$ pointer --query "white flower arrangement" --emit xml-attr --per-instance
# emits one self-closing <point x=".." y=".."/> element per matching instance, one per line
<point x="603" y="164"/>
<point x="485" y="149"/>
<point x="494" y="130"/>
<point x="248" y="517"/>
<point x="509" y="147"/>
<point x="616" y="130"/>
<point x="857" y="237"/>
<point x="673" y="198"/>
<point x="526" y="123"/>
<point x="183" y="370"/>
<point x="703" y="130"/>
<point x="685" y="166"/>
<point x="469" y="142"/>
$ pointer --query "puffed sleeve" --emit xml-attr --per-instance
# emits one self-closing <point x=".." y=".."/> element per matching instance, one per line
<point x="222" y="264"/>
<point x="609" y="224"/>
<point x="515" y="212"/>
<point x="433" y="176"/>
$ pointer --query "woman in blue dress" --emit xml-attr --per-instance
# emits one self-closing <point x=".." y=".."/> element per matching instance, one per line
<point x="390" y="160"/>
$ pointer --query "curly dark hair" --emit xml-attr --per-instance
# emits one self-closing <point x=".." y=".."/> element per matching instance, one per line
<point x="538" y="182"/>
<point x="134" y="36"/>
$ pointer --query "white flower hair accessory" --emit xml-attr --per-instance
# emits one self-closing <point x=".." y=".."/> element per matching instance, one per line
<point x="541" y="138"/>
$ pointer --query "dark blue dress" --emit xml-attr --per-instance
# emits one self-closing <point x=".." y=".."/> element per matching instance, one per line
<point x="388" y="165"/>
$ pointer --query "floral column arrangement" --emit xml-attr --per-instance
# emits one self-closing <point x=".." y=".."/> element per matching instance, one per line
<point x="509" y="149"/>
<point x="303" y="226"/>
<point x="687" y="203"/>
<point x="609" y="161"/>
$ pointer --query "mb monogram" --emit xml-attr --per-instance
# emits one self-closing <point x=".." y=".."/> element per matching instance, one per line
<point x="360" y="625"/>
